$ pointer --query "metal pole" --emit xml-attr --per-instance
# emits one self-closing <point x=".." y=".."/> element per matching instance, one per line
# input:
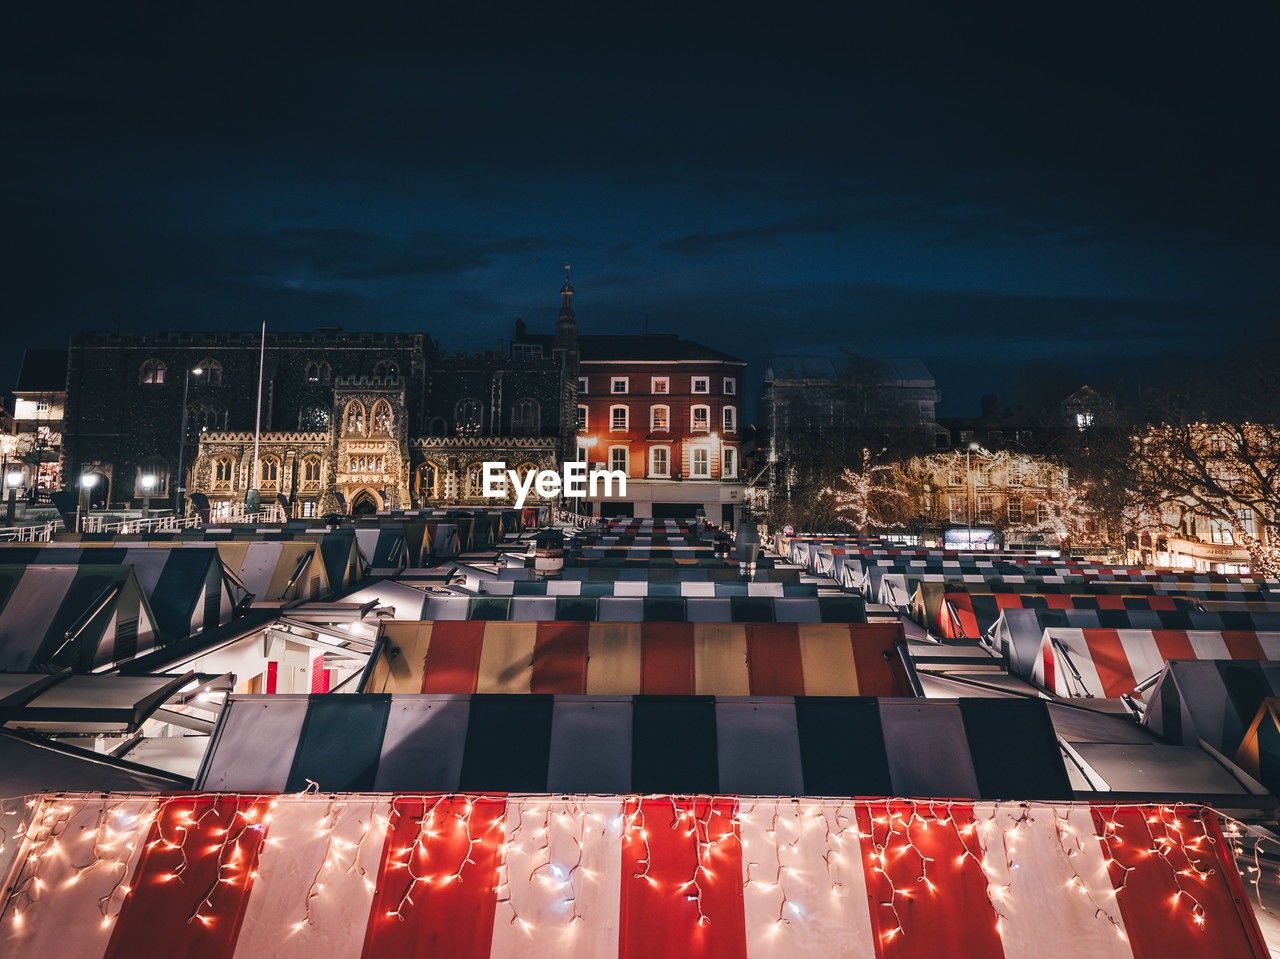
<point x="178" y="486"/>
<point x="968" y="503"/>
<point x="257" y="421"/>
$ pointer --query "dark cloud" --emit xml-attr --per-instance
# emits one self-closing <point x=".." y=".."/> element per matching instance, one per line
<point x="982" y="186"/>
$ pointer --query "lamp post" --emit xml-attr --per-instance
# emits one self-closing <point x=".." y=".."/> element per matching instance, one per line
<point x="180" y="485"/>
<point x="968" y="502"/>
<point x="148" y="483"/>
<point x="12" y="480"/>
<point x="87" y="482"/>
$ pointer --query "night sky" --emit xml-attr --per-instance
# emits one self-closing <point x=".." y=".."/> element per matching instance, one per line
<point x="996" y="190"/>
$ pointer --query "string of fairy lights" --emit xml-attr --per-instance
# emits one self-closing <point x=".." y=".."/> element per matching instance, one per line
<point x="37" y="829"/>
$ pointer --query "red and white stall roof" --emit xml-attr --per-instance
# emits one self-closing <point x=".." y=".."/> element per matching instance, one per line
<point x="227" y="876"/>
<point x="1111" y="662"/>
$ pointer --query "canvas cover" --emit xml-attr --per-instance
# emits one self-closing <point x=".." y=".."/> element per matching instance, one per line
<point x="773" y="659"/>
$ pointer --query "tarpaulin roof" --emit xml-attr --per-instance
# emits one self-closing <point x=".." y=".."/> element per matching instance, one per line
<point x="31" y="764"/>
<point x="635" y="609"/>
<point x="28" y="700"/>
<point x="974" y="615"/>
<point x="596" y="877"/>
<point x="278" y="571"/>
<point x="383" y="548"/>
<point x="185" y="587"/>
<point x="1017" y="633"/>
<point x="684" y="574"/>
<point x="631" y="658"/>
<point x="83" y="616"/>
<point x="1259" y="752"/>
<point x="1213" y="700"/>
<point x="1110" y="662"/>
<point x="680" y="744"/>
<point x="574" y="587"/>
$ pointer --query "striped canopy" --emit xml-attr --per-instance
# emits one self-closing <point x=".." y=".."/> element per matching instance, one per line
<point x="635" y="609"/>
<point x="561" y="744"/>
<point x="626" y="587"/>
<point x="1213" y="700"/>
<point x="1110" y="662"/>
<point x="87" y="616"/>
<point x="774" y="659"/>
<point x="586" y="877"/>
<point x="186" y="588"/>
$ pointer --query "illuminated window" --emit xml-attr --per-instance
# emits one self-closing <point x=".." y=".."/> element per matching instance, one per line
<point x="617" y="418"/>
<point x="381" y="417"/>
<point x="269" y="474"/>
<point x="701" y="464"/>
<point x="730" y="469"/>
<point x="224" y="471"/>
<point x="660" y="461"/>
<point x="354" y="417"/>
<point x="618" y="458"/>
<point x="152" y="372"/>
<point x="660" y="384"/>
<point x="700" y="417"/>
<point x="659" y="419"/>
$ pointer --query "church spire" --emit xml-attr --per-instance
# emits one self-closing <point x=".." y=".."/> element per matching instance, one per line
<point x="566" y="298"/>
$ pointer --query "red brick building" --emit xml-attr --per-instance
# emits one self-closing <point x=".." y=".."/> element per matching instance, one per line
<point x="666" y="410"/>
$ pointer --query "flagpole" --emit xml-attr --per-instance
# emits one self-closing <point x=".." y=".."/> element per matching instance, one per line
<point x="257" y="422"/>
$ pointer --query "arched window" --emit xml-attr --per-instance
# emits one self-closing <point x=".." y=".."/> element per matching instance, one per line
<point x="354" y="417"/>
<point x="438" y="427"/>
<point x="269" y="474"/>
<point x="313" y="372"/>
<point x="524" y="418"/>
<point x="224" y="471"/>
<point x="311" y="473"/>
<point x="152" y="372"/>
<point x="381" y="417"/>
<point x="475" y="484"/>
<point x="428" y="480"/>
<point x="313" y="419"/>
<point x="211" y="371"/>
<point x="386" y="368"/>
<point x="467" y="416"/>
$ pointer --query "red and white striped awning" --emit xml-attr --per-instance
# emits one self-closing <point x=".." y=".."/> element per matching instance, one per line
<point x="303" y="876"/>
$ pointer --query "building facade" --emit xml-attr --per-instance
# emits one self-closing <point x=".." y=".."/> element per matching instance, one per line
<point x="665" y="411"/>
<point x="39" y="401"/>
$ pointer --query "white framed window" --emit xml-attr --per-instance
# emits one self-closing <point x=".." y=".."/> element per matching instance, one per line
<point x="42" y="406"/>
<point x="730" y="466"/>
<point x="730" y="386"/>
<point x="618" y="458"/>
<point x="730" y="419"/>
<point x="700" y="418"/>
<point x="955" y="508"/>
<point x="660" y="385"/>
<point x="986" y="507"/>
<point x="581" y="422"/>
<point x="582" y="384"/>
<point x="702" y="384"/>
<point x="660" y="462"/>
<point x="700" y="463"/>
<point x="618" y="384"/>
<point x="617" y="417"/>
<point x="660" y="419"/>
<point x="1015" y="509"/>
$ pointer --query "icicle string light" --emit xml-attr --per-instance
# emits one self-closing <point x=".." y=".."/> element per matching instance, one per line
<point x="900" y="835"/>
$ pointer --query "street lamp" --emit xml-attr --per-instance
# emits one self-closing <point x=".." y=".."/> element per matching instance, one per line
<point x="180" y="486"/>
<point x="148" y="483"/>
<point x="12" y="481"/>
<point x="87" y="482"/>
<point x="968" y="502"/>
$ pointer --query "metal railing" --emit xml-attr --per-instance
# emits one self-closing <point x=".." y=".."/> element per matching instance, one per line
<point x="43" y="532"/>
